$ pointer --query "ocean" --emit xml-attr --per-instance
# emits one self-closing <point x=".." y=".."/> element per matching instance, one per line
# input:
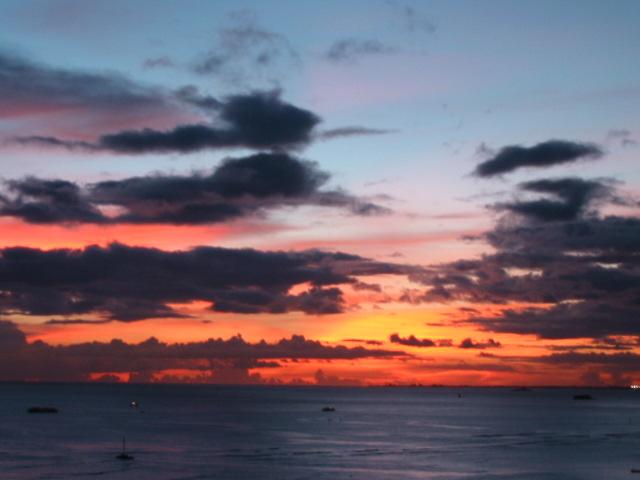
<point x="192" y="432"/>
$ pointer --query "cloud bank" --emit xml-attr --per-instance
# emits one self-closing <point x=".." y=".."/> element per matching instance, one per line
<point x="570" y="198"/>
<point x="126" y="283"/>
<point x="212" y="360"/>
<point x="578" y="270"/>
<point x="237" y="188"/>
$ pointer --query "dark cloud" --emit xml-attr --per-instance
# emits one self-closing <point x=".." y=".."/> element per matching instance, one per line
<point x="315" y="301"/>
<point x="262" y="119"/>
<point x="217" y="360"/>
<point x="258" y="120"/>
<point x="469" y="343"/>
<point x="361" y="340"/>
<point x="580" y="273"/>
<point x="572" y="197"/>
<point x="587" y="319"/>
<point x="262" y="175"/>
<point x="11" y="337"/>
<point x="48" y="201"/>
<point x="238" y="188"/>
<point x="545" y="154"/>
<point x="351" y="132"/>
<point x="584" y="275"/>
<point x="609" y="239"/>
<point x="132" y="283"/>
<point x="593" y="368"/>
<point x="575" y="358"/>
<point x="350" y="50"/>
<point x="75" y="321"/>
<point x="412" y="341"/>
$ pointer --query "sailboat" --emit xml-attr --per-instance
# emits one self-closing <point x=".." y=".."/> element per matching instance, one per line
<point x="124" y="455"/>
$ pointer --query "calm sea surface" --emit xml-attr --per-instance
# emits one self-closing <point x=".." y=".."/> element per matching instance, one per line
<point x="211" y="432"/>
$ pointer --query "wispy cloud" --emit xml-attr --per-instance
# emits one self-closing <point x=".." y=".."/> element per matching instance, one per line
<point x="245" y="52"/>
<point x="350" y="50"/>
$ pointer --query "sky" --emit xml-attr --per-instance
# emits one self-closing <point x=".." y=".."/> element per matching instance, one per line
<point x="332" y="193"/>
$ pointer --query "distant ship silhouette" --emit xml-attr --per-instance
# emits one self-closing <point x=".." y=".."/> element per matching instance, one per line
<point x="124" y="455"/>
<point x="42" y="410"/>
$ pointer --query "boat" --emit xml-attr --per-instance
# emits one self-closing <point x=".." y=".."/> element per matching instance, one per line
<point x="582" y="396"/>
<point x="124" y="455"/>
<point x="42" y="410"/>
<point x="328" y="409"/>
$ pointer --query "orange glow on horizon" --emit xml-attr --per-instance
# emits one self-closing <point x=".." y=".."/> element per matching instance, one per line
<point x="166" y="237"/>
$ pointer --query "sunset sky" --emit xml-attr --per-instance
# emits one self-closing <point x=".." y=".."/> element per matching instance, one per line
<point x="361" y="192"/>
